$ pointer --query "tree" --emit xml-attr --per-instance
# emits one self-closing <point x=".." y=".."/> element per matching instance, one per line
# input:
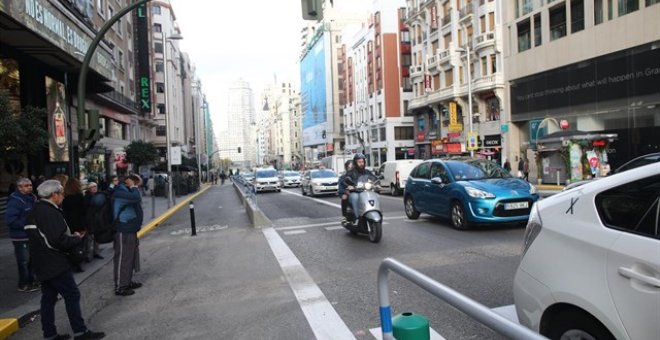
<point x="139" y="153"/>
<point x="23" y="133"/>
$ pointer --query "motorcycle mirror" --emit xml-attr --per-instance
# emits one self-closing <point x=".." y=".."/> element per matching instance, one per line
<point x="436" y="180"/>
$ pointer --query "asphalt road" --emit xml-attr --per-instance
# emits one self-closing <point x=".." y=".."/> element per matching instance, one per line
<point x="479" y="263"/>
<point x="231" y="282"/>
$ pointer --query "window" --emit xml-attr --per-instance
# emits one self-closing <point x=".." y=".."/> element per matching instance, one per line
<point x="610" y="9"/>
<point x="160" y="131"/>
<point x="433" y="121"/>
<point x="449" y="77"/>
<point x="493" y="63"/>
<point x="161" y="109"/>
<point x="158" y="47"/>
<point x="598" y="12"/>
<point x="484" y="67"/>
<point x="652" y="2"/>
<point x="158" y="28"/>
<point x="577" y="15"/>
<point x="380" y="110"/>
<point x="120" y="59"/>
<point x="160" y="87"/>
<point x="447" y="39"/>
<point x="405" y="36"/>
<point x="537" y="30"/>
<point x="482" y="24"/>
<point x="632" y="207"/>
<point x="155" y="9"/>
<point x="557" y="22"/>
<point x="119" y="25"/>
<point x="523" y="36"/>
<point x="528" y="7"/>
<point x="383" y="134"/>
<point x="403" y="132"/>
<point x="461" y="77"/>
<point x="628" y="6"/>
<point x="438" y="170"/>
<point x="407" y="85"/>
<point x="406" y="111"/>
<point x="159" y="66"/>
<point x="422" y="171"/>
<point x="111" y="12"/>
<point x="100" y="7"/>
<point x="491" y="21"/>
<point x="374" y="135"/>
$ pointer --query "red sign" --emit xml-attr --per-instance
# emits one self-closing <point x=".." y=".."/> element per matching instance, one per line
<point x="411" y="151"/>
<point x="329" y="147"/>
<point x="437" y="147"/>
<point x="427" y="82"/>
<point x="563" y="124"/>
<point x="593" y="161"/>
<point x="453" y="148"/>
<point x="421" y="136"/>
<point x="599" y="142"/>
<point x="453" y="135"/>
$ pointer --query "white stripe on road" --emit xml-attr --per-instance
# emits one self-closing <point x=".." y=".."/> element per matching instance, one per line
<point x="304" y="226"/>
<point x="334" y="228"/>
<point x="313" y="199"/>
<point x="295" y="232"/>
<point x="321" y="316"/>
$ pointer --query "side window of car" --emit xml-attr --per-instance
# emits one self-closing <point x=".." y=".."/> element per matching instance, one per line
<point x="423" y="171"/>
<point x="438" y="170"/>
<point x="632" y="207"/>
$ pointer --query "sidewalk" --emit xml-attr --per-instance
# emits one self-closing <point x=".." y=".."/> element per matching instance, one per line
<point x="21" y="306"/>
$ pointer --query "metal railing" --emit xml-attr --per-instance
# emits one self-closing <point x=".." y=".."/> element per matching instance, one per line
<point x="473" y="309"/>
<point x="249" y="190"/>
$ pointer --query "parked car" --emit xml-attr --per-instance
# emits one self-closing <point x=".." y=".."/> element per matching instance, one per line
<point x="631" y="164"/>
<point x="468" y="191"/>
<point x="266" y="180"/>
<point x="319" y="181"/>
<point x="393" y="175"/>
<point x="590" y="266"/>
<point x="248" y="177"/>
<point x="290" y="179"/>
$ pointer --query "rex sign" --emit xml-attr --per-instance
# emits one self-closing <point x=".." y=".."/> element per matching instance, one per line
<point x="144" y="71"/>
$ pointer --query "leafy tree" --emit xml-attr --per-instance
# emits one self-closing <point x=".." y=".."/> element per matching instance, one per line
<point x="23" y="133"/>
<point x="139" y="152"/>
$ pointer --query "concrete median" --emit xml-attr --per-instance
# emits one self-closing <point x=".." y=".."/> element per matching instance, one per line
<point x="257" y="217"/>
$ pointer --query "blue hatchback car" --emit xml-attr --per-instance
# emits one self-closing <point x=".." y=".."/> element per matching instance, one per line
<point x="468" y="191"/>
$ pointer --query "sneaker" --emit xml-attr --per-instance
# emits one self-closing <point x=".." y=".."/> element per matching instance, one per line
<point x="62" y="337"/>
<point x="28" y="288"/>
<point x="124" y="292"/>
<point x="89" y="335"/>
<point x="134" y="285"/>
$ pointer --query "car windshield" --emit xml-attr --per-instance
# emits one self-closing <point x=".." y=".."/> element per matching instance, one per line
<point x="248" y="175"/>
<point x="475" y="170"/>
<point x="266" y="173"/>
<point x="291" y="174"/>
<point x="323" y="174"/>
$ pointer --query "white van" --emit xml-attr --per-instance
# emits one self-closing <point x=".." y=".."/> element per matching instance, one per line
<point x="394" y="175"/>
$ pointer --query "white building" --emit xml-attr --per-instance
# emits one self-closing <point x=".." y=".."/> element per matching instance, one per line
<point x="376" y="121"/>
<point x="241" y="126"/>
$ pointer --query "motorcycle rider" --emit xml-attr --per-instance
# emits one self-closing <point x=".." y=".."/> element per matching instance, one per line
<point x="348" y="166"/>
<point x="352" y="177"/>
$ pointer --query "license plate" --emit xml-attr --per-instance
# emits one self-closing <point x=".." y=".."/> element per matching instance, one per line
<point x="516" y="205"/>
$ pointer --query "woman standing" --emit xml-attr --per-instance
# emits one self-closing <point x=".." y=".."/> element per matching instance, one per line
<point x="74" y="208"/>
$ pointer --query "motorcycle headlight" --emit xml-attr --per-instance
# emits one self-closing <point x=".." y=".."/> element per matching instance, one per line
<point x="476" y="193"/>
<point x="532" y="189"/>
<point x="368" y="186"/>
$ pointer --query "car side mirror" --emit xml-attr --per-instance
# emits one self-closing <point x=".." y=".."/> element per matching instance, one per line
<point x="436" y="180"/>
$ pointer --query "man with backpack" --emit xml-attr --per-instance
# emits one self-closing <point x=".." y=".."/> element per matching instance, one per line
<point x="127" y="219"/>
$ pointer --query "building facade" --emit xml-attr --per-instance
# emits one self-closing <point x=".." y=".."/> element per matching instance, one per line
<point x="375" y="61"/>
<point x="457" y="62"/>
<point x="592" y="64"/>
<point x="241" y="127"/>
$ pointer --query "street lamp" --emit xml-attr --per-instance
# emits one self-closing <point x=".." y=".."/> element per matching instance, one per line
<point x="165" y="39"/>
<point x="469" y="76"/>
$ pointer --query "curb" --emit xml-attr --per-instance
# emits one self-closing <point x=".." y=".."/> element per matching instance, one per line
<point x="257" y="217"/>
<point x="8" y="326"/>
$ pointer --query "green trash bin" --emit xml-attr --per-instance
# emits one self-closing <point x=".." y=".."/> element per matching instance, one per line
<point x="410" y="326"/>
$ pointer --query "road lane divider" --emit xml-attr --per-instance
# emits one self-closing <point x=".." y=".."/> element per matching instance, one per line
<point x="313" y="199"/>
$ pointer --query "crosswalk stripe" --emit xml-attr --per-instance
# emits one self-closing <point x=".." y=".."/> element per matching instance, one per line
<point x="295" y="232"/>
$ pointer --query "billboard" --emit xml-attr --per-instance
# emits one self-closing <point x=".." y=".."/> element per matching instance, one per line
<point x="313" y="95"/>
<point x="58" y="142"/>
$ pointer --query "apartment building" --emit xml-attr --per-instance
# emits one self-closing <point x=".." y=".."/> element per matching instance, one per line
<point x="593" y="65"/>
<point x="375" y="61"/>
<point x="457" y="76"/>
<point x="241" y="127"/>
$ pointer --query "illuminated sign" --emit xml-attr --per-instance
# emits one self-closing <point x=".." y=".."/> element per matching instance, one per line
<point x="144" y="71"/>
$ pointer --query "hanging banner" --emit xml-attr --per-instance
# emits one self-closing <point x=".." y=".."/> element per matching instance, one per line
<point x="472" y="141"/>
<point x="58" y="141"/>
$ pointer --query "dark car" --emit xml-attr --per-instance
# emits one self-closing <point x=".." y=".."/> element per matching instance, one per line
<point x="468" y="191"/>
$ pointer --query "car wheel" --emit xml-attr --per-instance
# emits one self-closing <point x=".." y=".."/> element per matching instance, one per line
<point x="576" y="324"/>
<point x="458" y="219"/>
<point x="279" y="190"/>
<point x="409" y="206"/>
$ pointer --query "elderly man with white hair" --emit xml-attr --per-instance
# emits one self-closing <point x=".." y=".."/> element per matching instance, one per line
<point x="50" y="239"/>
<point x="19" y="205"/>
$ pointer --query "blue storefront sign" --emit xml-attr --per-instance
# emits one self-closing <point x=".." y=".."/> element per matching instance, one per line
<point x="535" y="133"/>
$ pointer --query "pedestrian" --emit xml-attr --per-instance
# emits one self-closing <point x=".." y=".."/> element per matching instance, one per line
<point x="94" y="201"/>
<point x="50" y="239"/>
<point x="113" y="182"/>
<point x="507" y="165"/>
<point x="150" y="185"/>
<point x="19" y="205"/>
<point x="74" y="209"/>
<point x="223" y="177"/>
<point x="521" y="168"/>
<point x="127" y="212"/>
<point x="526" y="169"/>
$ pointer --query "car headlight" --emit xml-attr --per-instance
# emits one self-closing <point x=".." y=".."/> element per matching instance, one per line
<point x="476" y="193"/>
<point x="532" y="189"/>
<point x="534" y="226"/>
<point x="368" y="186"/>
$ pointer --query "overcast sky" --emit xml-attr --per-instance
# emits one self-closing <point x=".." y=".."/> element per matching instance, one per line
<point x="228" y="40"/>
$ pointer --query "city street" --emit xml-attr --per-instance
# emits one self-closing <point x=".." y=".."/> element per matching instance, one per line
<point x="226" y="281"/>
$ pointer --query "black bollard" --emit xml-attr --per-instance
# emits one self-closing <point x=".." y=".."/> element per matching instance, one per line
<point x="192" y="218"/>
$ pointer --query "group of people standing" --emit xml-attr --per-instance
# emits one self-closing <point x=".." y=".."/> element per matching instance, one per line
<point x="45" y="231"/>
<point x="523" y="168"/>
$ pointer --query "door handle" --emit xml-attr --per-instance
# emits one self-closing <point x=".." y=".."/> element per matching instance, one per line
<point x="632" y="274"/>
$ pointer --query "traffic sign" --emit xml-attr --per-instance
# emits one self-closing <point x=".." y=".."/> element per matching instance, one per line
<point x="473" y="141"/>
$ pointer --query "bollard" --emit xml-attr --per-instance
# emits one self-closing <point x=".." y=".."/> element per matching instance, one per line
<point x="410" y="326"/>
<point x="153" y="205"/>
<point x="192" y="218"/>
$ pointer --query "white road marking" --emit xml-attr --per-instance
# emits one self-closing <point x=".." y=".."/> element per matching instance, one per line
<point x="321" y="316"/>
<point x="508" y="312"/>
<point x="306" y="226"/>
<point x="397" y="198"/>
<point x="334" y="228"/>
<point x="313" y="199"/>
<point x="295" y="232"/>
<point x="378" y="334"/>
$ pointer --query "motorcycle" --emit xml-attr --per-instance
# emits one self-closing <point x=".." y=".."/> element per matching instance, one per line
<point x="370" y="217"/>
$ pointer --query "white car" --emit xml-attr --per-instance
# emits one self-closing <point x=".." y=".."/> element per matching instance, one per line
<point x="590" y="266"/>
<point x="290" y="179"/>
<point x="393" y="175"/>
<point x="266" y="180"/>
<point x="321" y="181"/>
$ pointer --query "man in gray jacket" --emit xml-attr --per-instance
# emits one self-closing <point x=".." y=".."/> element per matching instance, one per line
<point x="127" y="216"/>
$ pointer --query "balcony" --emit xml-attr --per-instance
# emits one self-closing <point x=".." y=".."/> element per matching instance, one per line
<point x="415" y="71"/>
<point x="466" y="12"/>
<point x="446" y="20"/>
<point x="484" y="40"/>
<point x="120" y="101"/>
<point x="488" y="82"/>
<point x="432" y="61"/>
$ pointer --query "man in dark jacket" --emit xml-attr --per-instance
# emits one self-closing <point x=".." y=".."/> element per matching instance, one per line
<point x="19" y="205"/>
<point x="50" y="239"/>
<point x="353" y="176"/>
<point x="127" y="213"/>
<point x="341" y="189"/>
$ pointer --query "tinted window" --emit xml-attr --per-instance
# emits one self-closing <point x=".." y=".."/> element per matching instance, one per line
<point x="632" y="207"/>
<point x="475" y="170"/>
<point x="323" y="174"/>
<point x="438" y="170"/>
<point x="423" y="171"/>
<point x="291" y="174"/>
<point x="266" y="173"/>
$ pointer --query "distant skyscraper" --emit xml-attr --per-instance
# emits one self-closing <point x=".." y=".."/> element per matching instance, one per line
<point x="241" y="126"/>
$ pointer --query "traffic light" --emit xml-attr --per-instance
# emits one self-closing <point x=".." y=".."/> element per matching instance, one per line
<point x="239" y="149"/>
<point x="323" y="135"/>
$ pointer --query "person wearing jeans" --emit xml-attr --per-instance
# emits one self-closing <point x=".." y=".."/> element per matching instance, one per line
<point x="19" y="205"/>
